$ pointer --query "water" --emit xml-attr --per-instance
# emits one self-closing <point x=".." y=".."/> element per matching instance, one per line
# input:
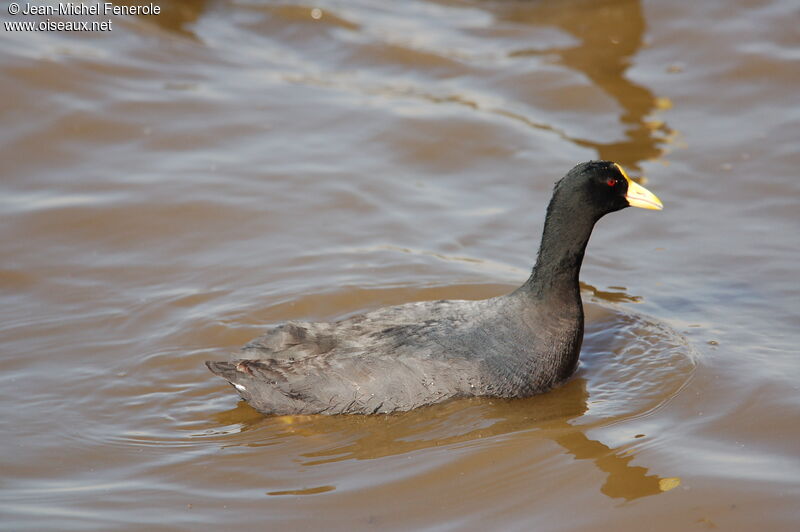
<point x="174" y="186"/>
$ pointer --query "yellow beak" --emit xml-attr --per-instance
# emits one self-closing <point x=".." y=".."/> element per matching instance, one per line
<point x="638" y="196"/>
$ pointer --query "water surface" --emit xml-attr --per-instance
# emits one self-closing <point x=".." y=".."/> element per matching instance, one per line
<point x="173" y="187"/>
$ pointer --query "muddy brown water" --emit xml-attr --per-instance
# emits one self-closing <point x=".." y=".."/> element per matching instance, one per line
<point x="171" y="188"/>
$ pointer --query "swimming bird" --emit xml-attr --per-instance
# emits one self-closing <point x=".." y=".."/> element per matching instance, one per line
<point x="406" y="356"/>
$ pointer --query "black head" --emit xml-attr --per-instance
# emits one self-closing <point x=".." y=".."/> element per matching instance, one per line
<point x="583" y="196"/>
<point x="601" y="187"/>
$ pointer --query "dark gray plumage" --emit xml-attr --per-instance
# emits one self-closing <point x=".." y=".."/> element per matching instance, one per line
<point x="406" y="356"/>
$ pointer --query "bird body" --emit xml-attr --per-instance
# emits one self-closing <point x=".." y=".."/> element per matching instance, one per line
<point x="395" y="358"/>
<point x="402" y="357"/>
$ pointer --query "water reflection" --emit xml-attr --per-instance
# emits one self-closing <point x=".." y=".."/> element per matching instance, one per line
<point x="176" y="16"/>
<point x="614" y="294"/>
<point x="549" y="417"/>
<point x="609" y="35"/>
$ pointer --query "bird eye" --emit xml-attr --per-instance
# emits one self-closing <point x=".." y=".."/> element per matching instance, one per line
<point x="612" y="182"/>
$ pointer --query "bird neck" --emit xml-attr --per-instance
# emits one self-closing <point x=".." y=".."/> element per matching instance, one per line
<point x="564" y="238"/>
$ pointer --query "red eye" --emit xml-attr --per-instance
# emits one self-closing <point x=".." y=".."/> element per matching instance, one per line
<point x="612" y="182"/>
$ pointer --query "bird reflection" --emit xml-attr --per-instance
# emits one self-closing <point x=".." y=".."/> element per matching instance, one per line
<point x="547" y="417"/>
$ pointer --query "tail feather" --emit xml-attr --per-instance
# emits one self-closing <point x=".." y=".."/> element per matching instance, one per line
<point x="256" y="384"/>
<point x="226" y="370"/>
<point x="233" y="372"/>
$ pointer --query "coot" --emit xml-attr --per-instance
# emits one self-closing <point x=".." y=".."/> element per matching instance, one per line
<point x="403" y="357"/>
